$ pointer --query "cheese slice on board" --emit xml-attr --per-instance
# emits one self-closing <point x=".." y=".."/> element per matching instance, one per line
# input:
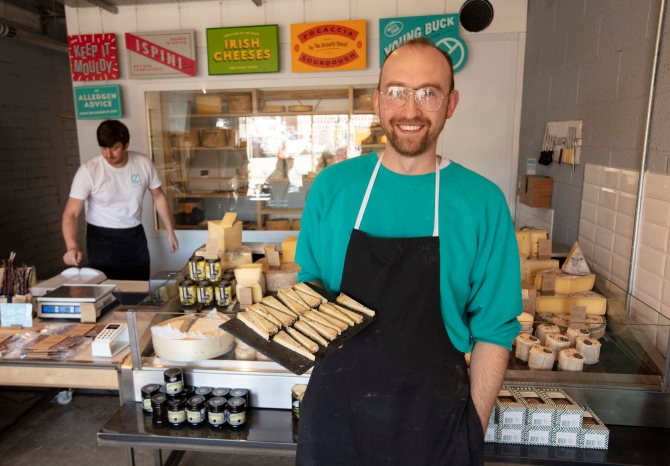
<point x="560" y="304"/>
<point x="329" y="310"/>
<point x="523" y="242"/>
<point x="336" y="322"/>
<point x="274" y="303"/>
<point x="322" y="330"/>
<point x="310" y="300"/>
<point x="290" y="293"/>
<point x="355" y="316"/>
<point x="303" y="340"/>
<point x="261" y="311"/>
<point x="575" y="263"/>
<point x="318" y="318"/>
<point x="306" y="289"/>
<point x="533" y="266"/>
<point x="256" y="323"/>
<point x="565" y="282"/>
<point x="345" y="300"/>
<point x="294" y="306"/>
<point x="286" y="341"/>
<point x="305" y="329"/>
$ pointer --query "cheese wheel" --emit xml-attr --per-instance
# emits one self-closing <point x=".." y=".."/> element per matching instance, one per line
<point x="534" y="265"/>
<point x="570" y="359"/>
<point x="596" y="325"/>
<point x="593" y="302"/>
<point x="243" y="355"/>
<point x="590" y="349"/>
<point x="526" y="321"/>
<point x="557" y="342"/>
<point x="543" y="330"/>
<point x="562" y="320"/>
<point x="566" y="283"/>
<point x="573" y="333"/>
<point x="524" y="343"/>
<point x="540" y="358"/>
<point x="273" y="108"/>
<point x="522" y="263"/>
<point x="535" y="237"/>
<point x="300" y="108"/>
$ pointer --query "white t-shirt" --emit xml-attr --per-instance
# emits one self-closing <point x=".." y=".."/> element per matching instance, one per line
<point x="115" y="195"/>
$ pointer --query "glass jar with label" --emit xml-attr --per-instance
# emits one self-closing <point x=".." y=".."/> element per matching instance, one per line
<point x="147" y="392"/>
<point x="159" y="409"/>
<point x="174" y="381"/>
<point x="188" y="292"/>
<point x="242" y="393"/>
<point x="205" y="293"/>
<point x="297" y="393"/>
<point x="204" y="391"/>
<point x="216" y="412"/>
<point x="214" y="271"/>
<point x="221" y="392"/>
<point x="196" y="410"/>
<point x="230" y="277"/>
<point x="236" y="411"/>
<point x="197" y="268"/>
<point x="223" y="293"/>
<point x="176" y="411"/>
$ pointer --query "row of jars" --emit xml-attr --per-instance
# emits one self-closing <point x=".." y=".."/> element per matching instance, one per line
<point x="208" y="284"/>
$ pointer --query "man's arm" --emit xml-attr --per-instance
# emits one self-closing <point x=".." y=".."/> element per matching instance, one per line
<point x="161" y="203"/>
<point x="488" y="364"/>
<point x="69" y="226"/>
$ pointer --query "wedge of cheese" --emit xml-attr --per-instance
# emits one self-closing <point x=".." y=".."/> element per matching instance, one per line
<point x="565" y="282"/>
<point x="228" y="232"/>
<point x="523" y="242"/>
<point x="258" y="324"/>
<point x="286" y="341"/>
<point x="303" y="340"/>
<point x="249" y="273"/>
<point x="575" y="262"/>
<point x="336" y="322"/>
<point x="355" y="316"/>
<point x="288" y="249"/>
<point x="310" y="300"/>
<point x="329" y="310"/>
<point x="560" y="304"/>
<point x="261" y="311"/>
<point x="306" y="289"/>
<point x="305" y="329"/>
<point x="320" y="319"/>
<point x="285" y="319"/>
<point x="256" y="291"/>
<point x="271" y="301"/>
<point x="345" y="300"/>
<point x="294" y="305"/>
<point x="533" y="266"/>
<point x="290" y="292"/>
<point x="321" y="329"/>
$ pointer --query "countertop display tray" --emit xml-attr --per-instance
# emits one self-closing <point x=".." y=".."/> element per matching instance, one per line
<point x="291" y="360"/>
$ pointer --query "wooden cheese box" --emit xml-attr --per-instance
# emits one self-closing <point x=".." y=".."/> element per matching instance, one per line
<point x="535" y="191"/>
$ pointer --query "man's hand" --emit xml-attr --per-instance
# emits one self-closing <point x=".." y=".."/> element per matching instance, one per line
<point x="174" y="243"/>
<point x="488" y="364"/>
<point x="72" y="257"/>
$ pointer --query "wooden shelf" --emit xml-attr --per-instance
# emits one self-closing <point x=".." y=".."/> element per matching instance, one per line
<point x="189" y="227"/>
<point x="281" y="210"/>
<point x="213" y="195"/>
<point x="206" y="180"/>
<point x="364" y="112"/>
<point x="260" y="114"/>
<point x="209" y="148"/>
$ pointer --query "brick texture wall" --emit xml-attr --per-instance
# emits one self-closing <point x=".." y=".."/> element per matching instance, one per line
<point x="591" y="60"/>
<point x="39" y="153"/>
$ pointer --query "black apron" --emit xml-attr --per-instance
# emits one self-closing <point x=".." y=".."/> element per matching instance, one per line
<point x="119" y="253"/>
<point x="399" y="392"/>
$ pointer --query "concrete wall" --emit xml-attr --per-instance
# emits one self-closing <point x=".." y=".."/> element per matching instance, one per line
<point x="38" y="152"/>
<point x="591" y="60"/>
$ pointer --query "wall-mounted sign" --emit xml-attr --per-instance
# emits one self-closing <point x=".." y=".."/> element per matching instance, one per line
<point x="441" y="29"/>
<point x="93" y="57"/>
<point x="242" y="50"/>
<point x="98" y="102"/>
<point x="161" y="54"/>
<point x="329" y="46"/>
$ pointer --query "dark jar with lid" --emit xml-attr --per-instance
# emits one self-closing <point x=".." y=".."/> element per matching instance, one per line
<point x="188" y="291"/>
<point x="223" y="293"/>
<point x="214" y="272"/>
<point x="236" y="411"/>
<point x="204" y="391"/>
<point x="188" y="392"/>
<point x="196" y="410"/>
<point x="174" y="381"/>
<point x="176" y="411"/>
<point x="230" y="277"/>
<point x="242" y="393"/>
<point x="216" y="412"/>
<point x="159" y="409"/>
<point x="221" y="392"/>
<point x="197" y="268"/>
<point x="205" y="293"/>
<point x="147" y="392"/>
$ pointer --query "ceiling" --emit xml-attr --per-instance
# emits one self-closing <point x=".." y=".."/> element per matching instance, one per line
<point x="110" y="5"/>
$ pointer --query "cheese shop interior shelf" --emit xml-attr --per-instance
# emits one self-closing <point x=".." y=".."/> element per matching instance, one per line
<point x="253" y="151"/>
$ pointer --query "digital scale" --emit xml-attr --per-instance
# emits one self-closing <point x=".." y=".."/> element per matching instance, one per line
<point x="65" y="301"/>
<point x="112" y="339"/>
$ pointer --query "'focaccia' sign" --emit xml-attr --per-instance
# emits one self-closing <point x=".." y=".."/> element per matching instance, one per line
<point x="329" y="46"/>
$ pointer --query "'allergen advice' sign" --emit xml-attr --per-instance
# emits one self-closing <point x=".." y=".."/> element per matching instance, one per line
<point x="93" y="57"/>
<point x="161" y="54"/>
<point x="329" y="46"/>
<point x="98" y="102"/>
<point x="441" y="29"/>
<point x="242" y="50"/>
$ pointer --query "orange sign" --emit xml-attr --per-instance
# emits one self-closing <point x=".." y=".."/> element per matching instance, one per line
<point x="329" y="46"/>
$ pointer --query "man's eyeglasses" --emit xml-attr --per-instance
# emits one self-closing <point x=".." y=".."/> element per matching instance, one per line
<point x="426" y="98"/>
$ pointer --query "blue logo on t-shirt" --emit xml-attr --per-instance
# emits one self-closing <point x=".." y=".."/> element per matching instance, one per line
<point x="135" y="178"/>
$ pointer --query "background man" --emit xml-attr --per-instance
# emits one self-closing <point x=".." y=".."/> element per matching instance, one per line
<point x="114" y="185"/>
<point x="432" y="250"/>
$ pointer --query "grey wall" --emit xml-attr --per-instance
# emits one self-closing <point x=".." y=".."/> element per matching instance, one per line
<point x="591" y="60"/>
<point x="38" y="153"/>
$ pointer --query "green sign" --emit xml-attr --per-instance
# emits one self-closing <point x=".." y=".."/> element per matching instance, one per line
<point x="98" y="103"/>
<point x="441" y="29"/>
<point x="243" y="50"/>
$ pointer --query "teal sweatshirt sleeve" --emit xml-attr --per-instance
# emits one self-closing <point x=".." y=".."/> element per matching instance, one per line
<point x="309" y="240"/>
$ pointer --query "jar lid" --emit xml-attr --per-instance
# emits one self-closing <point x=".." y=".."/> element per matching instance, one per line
<point x="227" y="271"/>
<point x="220" y="392"/>
<point x="173" y="373"/>
<point x="159" y="399"/>
<point x="150" y="390"/>
<point x="236" y="402"/>
<point x="216" y="402"/>
<point x="241" y="392"/>
<point x="228" y="275"/>
<point x="195" y="400"/>
<point x="188" y="391"/>
<point x="175" y="403"/>
<point x="218" y="259"/>
<point x="196" y="259"/>
<point x="223" y="283"/>
<point x="186" y="282"/>
<point x="203" y="391"/>
<point x="299" y="388"/>
<point x="205" y="284"/>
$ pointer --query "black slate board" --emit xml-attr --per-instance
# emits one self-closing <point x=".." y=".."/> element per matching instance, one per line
<point x="283" y="356"/>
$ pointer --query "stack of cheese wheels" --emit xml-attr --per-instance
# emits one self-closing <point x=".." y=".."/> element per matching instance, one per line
<point x="573" y="333"/>
<point x="543" y="330"/>
<point x="570" y="359"/>
<point x="524" y="343"/>
<point x="557" y="342"/>
<point x="560" y="320"/>
<point x="243" y="351"/>
<point x="526" y="321"/>
<point x="589" y="348"/>
<point x="541" y="358"/>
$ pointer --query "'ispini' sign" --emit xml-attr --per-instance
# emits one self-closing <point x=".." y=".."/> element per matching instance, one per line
<point x="441" y="29"/>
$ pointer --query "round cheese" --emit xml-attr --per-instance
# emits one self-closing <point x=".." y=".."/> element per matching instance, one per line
<point x="541" y="358"/>
<point x="570" y="359"/>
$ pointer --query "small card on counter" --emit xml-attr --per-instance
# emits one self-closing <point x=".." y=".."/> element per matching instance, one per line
<point x="549" y="285"/>
<point x="211" y="248"/>
<point x="578" y="317"/>
<point x="16" y="314"/>
<point x="544" y="249"/>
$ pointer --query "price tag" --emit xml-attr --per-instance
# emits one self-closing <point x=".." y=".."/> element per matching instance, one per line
<point x="545" y="249"/>
<point x="578" y="317"/>
<point x="211" y="248"/>
<point x="549" y="284"/>
<point x="245" y="296"/>
<point x="273" y="260"/>
<point x="88" y="312"/>
<point x="16" y="314"/>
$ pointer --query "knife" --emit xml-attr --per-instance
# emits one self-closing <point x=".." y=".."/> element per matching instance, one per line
<point x="188" y="323"/>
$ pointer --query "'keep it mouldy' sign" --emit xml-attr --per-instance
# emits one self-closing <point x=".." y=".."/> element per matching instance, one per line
<point x="441" y="29"/>
<point x="93" y="57"/>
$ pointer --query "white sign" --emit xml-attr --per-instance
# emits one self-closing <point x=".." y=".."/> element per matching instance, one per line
<point x="161" y="54"/>
<point x="16" y="314"/>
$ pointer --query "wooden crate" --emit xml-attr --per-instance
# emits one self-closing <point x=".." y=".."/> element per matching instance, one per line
<point x="535" y="191"/>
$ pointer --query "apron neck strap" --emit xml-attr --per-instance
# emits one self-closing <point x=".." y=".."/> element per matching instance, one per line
<point x="371" y="183"/>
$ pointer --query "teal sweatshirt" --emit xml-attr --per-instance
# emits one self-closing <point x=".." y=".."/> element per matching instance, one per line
<point x="480" y="281"/>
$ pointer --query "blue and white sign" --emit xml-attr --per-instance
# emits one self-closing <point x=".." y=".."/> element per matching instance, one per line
<point x="441" y="29"/>
<point x="16" y="314"/>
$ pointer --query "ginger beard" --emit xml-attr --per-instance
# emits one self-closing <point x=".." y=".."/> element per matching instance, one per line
<point x="410" y="145"/>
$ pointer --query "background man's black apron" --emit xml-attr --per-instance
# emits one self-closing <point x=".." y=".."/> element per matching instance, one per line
<point x="120" y="253"/>
<point x="399" y="392"/>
